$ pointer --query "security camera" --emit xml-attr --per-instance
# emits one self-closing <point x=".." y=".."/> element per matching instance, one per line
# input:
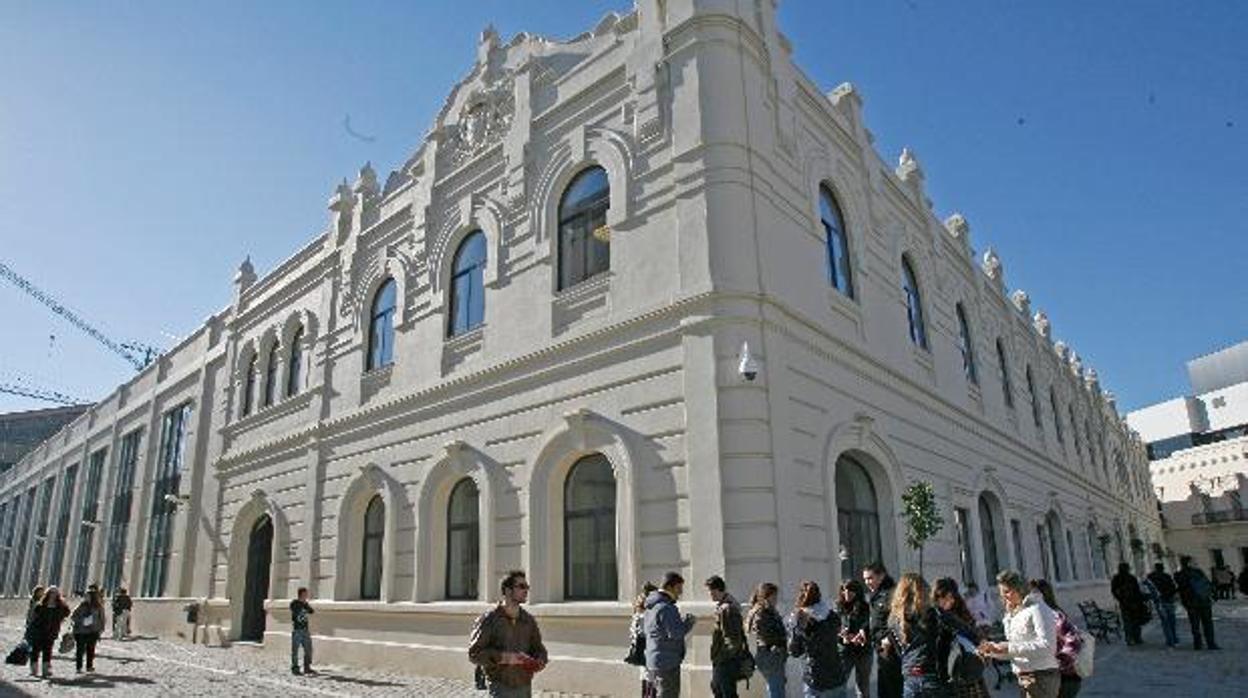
<point x="748" y="367"/>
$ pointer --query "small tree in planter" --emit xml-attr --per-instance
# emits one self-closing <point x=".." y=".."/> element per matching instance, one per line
<point x="922" y="517"/>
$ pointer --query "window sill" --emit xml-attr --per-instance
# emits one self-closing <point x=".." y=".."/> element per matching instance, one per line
<point x="846" y="307"/>
<point x="462" y="347"/>
<point x="375" y="381"/>
<point x="576" y="304"/>
<point x="269" y="413"/>
<point x="923" y="359"/>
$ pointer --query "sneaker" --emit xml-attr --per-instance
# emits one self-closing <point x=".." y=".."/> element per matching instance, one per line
<point x="47" y="672"/>
<point x="1215" y="647"/>
<point x="307" y="671"/>
<point x="294" y="670"/>
<point x="90" y="670"/>
<point x="34" y="669"/>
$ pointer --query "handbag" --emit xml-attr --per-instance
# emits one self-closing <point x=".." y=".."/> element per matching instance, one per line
<point x="19" y="655"/>
<point x="636" y="650"/>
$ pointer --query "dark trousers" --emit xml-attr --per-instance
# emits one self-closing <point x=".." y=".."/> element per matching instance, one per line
<point x="724" y="679"/>
<point x="84" y="645"/>
<point x="1070" y="686"/>
<point x="924" y="687"/>
<point x="861" y="664"/>
<point x="1201" y="615"/>
<point x="1131" y="629"/>
<point x="888" y="676"/>
<point x="667" y="683"/>
<point x="301" y="637"/>
<point x="41" y="648"/>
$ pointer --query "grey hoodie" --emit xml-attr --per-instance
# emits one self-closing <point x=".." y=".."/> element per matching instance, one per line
<point x="665" y="632"/>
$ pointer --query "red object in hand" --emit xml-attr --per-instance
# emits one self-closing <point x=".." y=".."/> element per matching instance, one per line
<point x="530" y="664"/>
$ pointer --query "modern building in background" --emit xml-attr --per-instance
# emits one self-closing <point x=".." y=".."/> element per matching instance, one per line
<point x="21" y="432"/>
<point x="1198" y="447"/>
<point x="523" y="349"/>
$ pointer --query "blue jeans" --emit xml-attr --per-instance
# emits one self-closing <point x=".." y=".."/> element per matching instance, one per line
<point x="1166" y="612"/>
<point x="923" y="687"/>
<point x="300" y="637"/>
<point x="775" y="685"/>
<point x="808" y="692"/>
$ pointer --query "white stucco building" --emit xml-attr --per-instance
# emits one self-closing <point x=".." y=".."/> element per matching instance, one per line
<point x="1198" y="448"/>
<point x="522" y="350"/>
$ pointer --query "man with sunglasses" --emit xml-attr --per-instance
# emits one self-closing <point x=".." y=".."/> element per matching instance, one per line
<point x="505" y="643"/>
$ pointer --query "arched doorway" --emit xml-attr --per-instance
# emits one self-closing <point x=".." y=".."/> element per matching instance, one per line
<point x="857" y="516"/>
<point x="256" y="589"/>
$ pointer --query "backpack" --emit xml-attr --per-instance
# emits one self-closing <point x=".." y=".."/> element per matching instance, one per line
<point x="1086" y="655"/>
<point x="745" y="666"/>
<point x="20" y="654"/>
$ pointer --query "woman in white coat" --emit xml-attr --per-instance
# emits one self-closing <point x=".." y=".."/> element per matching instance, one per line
<point x="1030" y="638"/>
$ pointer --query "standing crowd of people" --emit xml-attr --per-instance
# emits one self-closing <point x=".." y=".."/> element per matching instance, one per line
<point x="47" y="613"/>
<point x="1138" y="599"/>
<point x="919" y="640"/>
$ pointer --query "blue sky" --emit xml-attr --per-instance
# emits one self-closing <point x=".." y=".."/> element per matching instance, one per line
<point x="147" y="147"/>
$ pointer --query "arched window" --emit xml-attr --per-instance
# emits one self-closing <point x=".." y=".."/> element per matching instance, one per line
<point x="1007" y="390"/>
<point x="589" y="530"/>
<point x="1057" y="416"/>
<point x="381" y="327"/>
<point x="249" y="387"/>
<point x="1054" y="526"/>
<point x="468" y="285"/>
<point x="294" y="372"/>
<point x="914" y="304"/>
<point x="857" y="514"/>
<point x="374" y="536"/>
<point x="1096" y="551"/>
<point x="840" y="273"/>
<point x="270" y="375"/>
<point x="1035" y="400"/>
<point x="584" y="240"/>
<point x="1074" y="430"/>
<point x="966" y="347"/>
<point x="463" y="541"/>
<point x="988" y="532"/>
<point x="1070" y="554"/>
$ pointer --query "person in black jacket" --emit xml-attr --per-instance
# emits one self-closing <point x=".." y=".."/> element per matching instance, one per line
<point x="122" y="603"/>
<point x="855" y="614"/>
<point x="45" y="627"/>
<point x="957" y="623"/>
<point x="763" y="621"/>
<point x="1126" y="589"/>
<point x="1166" y="589"/>
<point x="914" y="633"/>
<point x="1196" y="594"/>
<point x="880" y="597"/>
<point x="816" y="640"/>
<point x="300" y="633"/>
<point x="87" y="621"/>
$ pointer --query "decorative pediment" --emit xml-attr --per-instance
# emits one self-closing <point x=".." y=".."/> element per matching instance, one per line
<point x="482" y="121"/>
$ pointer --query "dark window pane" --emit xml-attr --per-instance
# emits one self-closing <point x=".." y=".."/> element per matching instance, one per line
<point x="589" y="530"/>
<point x="584" y="243"/>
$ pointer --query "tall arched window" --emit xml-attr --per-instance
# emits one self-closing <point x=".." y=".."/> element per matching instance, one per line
<point x="857" y="514"/>
<point x="381" y="327"/>
<point x="468" y="285"/>
<point x="914" y="304"/>
<point x="1074" y="430"/>
<point x="1054" y="526"/>
<point x="840" y="273"/>
<point x="1035" y="400"/>
<point x="270" y="375"/>
<point x="249" y="387"/>
<point x="988" y="533"/>
<point x="966" y="347"/>
<point x="1057" y="416"/>
<point x="589" y="530"/>
<point x="463" y="541"/>
<point x="294" y="372"/>
<point x="374" y="537"/>
<point x="1007" y="390"/>
<point x="584" y="240"/>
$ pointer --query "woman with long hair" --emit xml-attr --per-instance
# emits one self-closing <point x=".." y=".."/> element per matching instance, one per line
<point x="816" y="640"/>
<point x="763" y="621"/>
<point x="637" y="635"/>
<point x="45" y="626"/>
<point x="914" y="629"/>
<point x="855" y="613"/>
<point x="1069" y="641"/>
<point x="957" y="624"/>
<point x="87" y="621"/>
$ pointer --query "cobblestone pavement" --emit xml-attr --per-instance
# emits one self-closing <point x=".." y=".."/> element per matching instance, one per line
<point x="154" y="667"/>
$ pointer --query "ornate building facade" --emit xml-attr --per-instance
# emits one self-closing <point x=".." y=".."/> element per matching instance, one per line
<point x="524" y="348"/>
